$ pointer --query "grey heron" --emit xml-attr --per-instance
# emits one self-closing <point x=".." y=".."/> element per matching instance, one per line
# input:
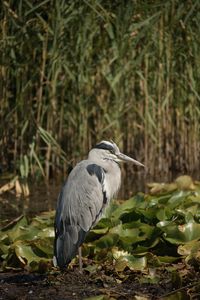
<point x="88" y="190"/>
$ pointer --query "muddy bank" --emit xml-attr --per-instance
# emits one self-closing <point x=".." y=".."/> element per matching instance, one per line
<point x="182" y="284"/>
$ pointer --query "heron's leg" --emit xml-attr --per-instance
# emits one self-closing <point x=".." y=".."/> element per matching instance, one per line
<point x="80" y="259"/>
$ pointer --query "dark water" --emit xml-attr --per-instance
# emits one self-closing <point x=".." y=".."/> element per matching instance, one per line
<point x="44" y="197"/>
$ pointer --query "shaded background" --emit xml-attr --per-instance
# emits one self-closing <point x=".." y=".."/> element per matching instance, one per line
<point x="75" y="72"/>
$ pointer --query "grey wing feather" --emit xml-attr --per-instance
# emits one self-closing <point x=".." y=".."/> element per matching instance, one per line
<point x="79" y="205"/>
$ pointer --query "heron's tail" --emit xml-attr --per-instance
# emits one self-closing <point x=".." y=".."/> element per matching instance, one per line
<point x="66" y="245"/>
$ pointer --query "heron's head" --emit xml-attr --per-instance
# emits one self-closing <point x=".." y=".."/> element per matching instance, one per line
<point x="107" y="150"/>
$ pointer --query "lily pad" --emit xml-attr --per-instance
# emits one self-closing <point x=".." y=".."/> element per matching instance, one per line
<point x="131" y="262"/>
<point x="181" y="234"/>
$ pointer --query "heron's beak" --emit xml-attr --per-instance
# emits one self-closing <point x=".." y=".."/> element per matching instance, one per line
<point x="122" y="157"/>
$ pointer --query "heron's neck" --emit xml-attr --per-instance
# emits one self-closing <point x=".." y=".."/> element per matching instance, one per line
<point x="113" y="177"/>
<point x="112" y="180"/>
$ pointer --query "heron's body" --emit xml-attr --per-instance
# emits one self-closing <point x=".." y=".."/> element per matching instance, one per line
<point x="88" y="190"/>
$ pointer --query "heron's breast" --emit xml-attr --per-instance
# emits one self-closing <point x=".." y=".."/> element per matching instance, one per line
<point x="112" y="183"/>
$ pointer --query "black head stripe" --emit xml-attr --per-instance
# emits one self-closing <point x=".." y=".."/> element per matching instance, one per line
<point x="104" y="146"/>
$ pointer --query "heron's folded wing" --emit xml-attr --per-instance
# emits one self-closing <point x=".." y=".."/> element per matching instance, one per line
<point x="80" y="204"/>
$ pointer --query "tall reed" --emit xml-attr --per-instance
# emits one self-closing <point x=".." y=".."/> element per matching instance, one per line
<point x="75" y="72"/>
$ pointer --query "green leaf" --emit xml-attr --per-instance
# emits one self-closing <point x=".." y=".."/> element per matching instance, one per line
<point x="99" y="297"/>
<point x="18" y="229"/>
<point x="177" y="199"/>
<point x="131" y="262"/>
<point x="46" y="233"/>
<point x="129" y="205"/>
<point x="23" y="252"/>
<point x="133" y="232"/>
<point x="181" y="234"/>
<point x="100" y="231"/>
<point x="164" y="213"/>
<point x="127" y="235"/>
<point x="45" y="247"/>
<point x="191" y="251"/>
<point x="168" y="259"/>
<point x="107" y="241"/>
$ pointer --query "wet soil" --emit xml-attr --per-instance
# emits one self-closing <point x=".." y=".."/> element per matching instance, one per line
<point x="71" y="284"/>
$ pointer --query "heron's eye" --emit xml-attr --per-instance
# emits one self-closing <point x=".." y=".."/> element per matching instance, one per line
<point x="112" y="151"/>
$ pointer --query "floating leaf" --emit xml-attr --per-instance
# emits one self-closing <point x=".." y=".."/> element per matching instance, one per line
<point x="91" y="268"/>
<point x="185" y="182"/>
<point x="160" y="188"/>
<point x="168" y="259"/>
<point x="166" y="224"/>
<point x="131" y="262"/>
<point x="24" y="252"/>
<point x="45" y="247"/>
<point x="181" y="234"/>
<point x="164" y="213"/>
<point x="192" y="252"/>
<point x="100" y="231"/>
<point x="99" y="297"/>
<point x="129" y="206"/>
<point x="18" y="229"/>
<point x="107" y="241"/>
<point x="46" y="233"/>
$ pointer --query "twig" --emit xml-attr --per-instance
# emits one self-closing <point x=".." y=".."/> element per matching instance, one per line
<point x="180" y="289"/>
